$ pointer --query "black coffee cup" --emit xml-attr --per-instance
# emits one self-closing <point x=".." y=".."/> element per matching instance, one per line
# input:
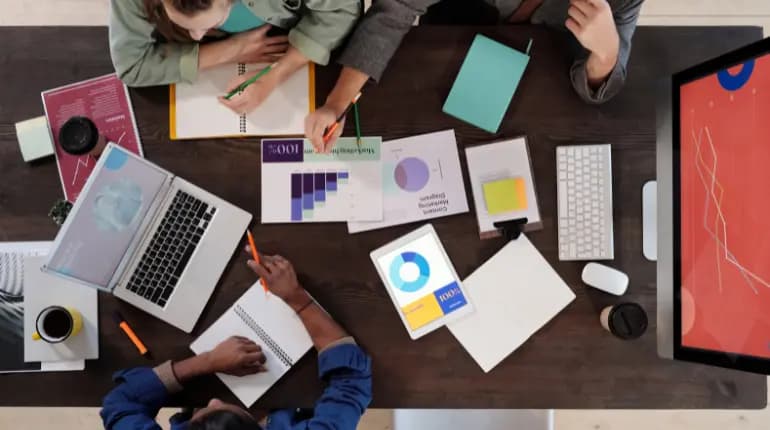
<point x="624" y="320"/>
<point x="79" y="136"/>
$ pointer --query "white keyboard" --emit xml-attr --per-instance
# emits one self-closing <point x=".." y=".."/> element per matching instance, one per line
<point x="584" y="188"/>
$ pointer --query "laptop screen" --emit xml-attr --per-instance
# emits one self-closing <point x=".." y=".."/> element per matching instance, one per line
<point x="106" y="218"/>
<point x="724" y="201"/>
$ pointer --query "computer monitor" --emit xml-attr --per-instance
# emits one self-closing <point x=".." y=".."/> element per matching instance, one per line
<point x="714" y="212"/>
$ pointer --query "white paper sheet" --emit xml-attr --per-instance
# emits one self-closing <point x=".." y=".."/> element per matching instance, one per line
<point x="515" y="294"/>
<point x="422" y="179"/>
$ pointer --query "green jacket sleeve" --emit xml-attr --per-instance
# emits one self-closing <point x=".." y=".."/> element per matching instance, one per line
<point x="323" y="26"/>
<point x="140" y="59"/>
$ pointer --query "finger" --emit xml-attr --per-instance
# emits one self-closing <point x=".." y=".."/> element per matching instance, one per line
<point x="572" y="26"/>
<point x="583" y="6"/>
<point x="253" y="357"/>
<point x="241" y="339"/>
<point x="259" y="269"/>
<point x="578" y="15"/>
<point x="274" y="40"/>
<point x="316" y="136"/>
<point x="260" y="32"/>
<point x="275" y="49"/>
<point x="251" y="347"/>
<point x="247" y="248"/>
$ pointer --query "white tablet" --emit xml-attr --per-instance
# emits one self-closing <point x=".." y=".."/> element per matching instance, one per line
<point x="421" y="281"/>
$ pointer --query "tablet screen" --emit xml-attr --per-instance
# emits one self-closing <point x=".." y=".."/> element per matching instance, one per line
<point x="422" y="281"/>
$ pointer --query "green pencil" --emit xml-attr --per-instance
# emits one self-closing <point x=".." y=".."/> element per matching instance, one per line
<point x="251" y="80"/>
<point x="358" y="124"/>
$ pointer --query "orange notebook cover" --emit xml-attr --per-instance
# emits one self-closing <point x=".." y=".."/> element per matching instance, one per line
<point x="196" y="113"/>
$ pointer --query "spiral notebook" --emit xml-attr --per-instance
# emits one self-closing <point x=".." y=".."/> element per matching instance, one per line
<point x="272" y="324"/>
<point x="196" y="113"/>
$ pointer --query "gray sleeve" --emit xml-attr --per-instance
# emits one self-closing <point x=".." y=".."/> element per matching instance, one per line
<point x="625" y="16"/>
<point x="379" y="34"/>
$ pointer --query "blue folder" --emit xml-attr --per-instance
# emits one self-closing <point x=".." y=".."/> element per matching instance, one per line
<point x="485" y="85"/>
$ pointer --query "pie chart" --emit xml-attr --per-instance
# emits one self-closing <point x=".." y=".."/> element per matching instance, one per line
<point x="420" y="271"/>
<point x="411" y="174"/>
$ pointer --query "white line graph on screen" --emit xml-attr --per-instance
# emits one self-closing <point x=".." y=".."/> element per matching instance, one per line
<point x="708" y="176"/>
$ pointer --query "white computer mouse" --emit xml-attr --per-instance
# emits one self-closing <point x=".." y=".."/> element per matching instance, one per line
<point x="605" y="278"/>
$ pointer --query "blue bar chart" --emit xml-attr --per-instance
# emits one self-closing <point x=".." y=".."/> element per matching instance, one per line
<point x="310" y="191"/>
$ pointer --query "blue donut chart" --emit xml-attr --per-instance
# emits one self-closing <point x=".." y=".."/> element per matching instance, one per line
<point x="735" y="82"/>
<point x="409" y="258"/>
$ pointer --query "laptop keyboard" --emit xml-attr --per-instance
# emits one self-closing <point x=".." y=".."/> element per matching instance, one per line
<point x="169" y="251"/>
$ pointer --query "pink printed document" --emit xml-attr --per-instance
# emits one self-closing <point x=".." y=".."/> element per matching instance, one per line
<point x="106" y="102"/>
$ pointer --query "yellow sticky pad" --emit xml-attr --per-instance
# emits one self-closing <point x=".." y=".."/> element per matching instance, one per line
<point x="505" y="195"/>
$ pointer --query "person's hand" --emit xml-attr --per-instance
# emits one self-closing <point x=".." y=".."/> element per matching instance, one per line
<point x="316" y="124"/>
<point x="592" y="24"/>
<point x="279" y="276"/>
<point x="252" y="96"/>
<point x="236" y="356"/>
<point x="256" y="47"/>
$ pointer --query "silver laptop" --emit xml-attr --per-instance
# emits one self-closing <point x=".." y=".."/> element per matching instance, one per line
<point x="150" y="238"/>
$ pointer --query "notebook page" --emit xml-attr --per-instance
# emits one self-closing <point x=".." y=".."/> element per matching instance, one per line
<point x="266" y="320"/>
<point x="284" y="111"/>
<point x="198" y="111"/>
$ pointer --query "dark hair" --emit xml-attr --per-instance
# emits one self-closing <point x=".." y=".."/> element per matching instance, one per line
<point x="171" y="32"/>
<point x="223" y="420"/>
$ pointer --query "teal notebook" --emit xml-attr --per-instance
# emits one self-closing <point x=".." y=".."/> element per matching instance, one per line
<point x="486" y="83"/>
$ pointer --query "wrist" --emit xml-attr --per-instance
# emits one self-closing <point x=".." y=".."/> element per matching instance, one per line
<point x="298" y="299"/>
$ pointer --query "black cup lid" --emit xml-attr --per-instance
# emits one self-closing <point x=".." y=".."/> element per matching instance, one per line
<point x="78" y="135"/>
<point x="628" y="320"/>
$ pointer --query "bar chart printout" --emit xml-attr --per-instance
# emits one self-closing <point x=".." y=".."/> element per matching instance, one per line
<point x="299" y="185"/>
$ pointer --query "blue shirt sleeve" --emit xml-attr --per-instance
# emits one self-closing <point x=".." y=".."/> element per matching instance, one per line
<point x="135" y="402"/>
<point x="348" y="371"/>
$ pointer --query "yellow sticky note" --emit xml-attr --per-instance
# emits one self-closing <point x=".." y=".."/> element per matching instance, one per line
<point x="505" y="195"/>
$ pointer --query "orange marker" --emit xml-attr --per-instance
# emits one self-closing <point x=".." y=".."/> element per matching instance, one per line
<point x="336" y="124"/>
<point x="129" y="332"/>
<point x="255" y="256"/>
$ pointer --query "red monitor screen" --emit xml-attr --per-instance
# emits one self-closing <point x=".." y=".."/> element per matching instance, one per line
<point x="725" y="210"/>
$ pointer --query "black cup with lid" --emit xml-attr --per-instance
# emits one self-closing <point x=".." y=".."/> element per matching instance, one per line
<point x="625" y="320"/>
<point x="79" y="136"/>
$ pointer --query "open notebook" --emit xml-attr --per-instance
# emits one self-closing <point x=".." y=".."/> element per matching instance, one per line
<point x="196" y="113"/>
<point x="268" y="321"/>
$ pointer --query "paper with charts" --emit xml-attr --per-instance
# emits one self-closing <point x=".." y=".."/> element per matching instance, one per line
<point x="422" y="179"/>
<point x="300" y="185"/>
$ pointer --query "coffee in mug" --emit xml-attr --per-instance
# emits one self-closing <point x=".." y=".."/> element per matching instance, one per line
<point x="56" y="324"/>
<point x="625" y="320"/>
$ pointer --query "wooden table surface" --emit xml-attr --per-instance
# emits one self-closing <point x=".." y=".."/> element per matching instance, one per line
<point x="570" y="363"/>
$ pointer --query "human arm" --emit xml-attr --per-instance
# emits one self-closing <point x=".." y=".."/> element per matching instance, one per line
<point x="367" y="54"/>
<point x="599" y="72"/>
<point x="141" y="392"/>
<point x="323" y="26"/>
<point x="140" y="59"/>
<point x="341" y="363"/>
<point x="256" y="93"/>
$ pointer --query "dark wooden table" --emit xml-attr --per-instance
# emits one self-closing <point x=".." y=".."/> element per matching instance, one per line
<point x="570" y="363"/>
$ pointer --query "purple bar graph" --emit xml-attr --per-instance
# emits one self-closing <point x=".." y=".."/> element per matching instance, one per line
<point x="331" y="182"/>
<point x="296" y="197"/>
<point x="320" y="187"/>
<point x="307" y="191"/>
